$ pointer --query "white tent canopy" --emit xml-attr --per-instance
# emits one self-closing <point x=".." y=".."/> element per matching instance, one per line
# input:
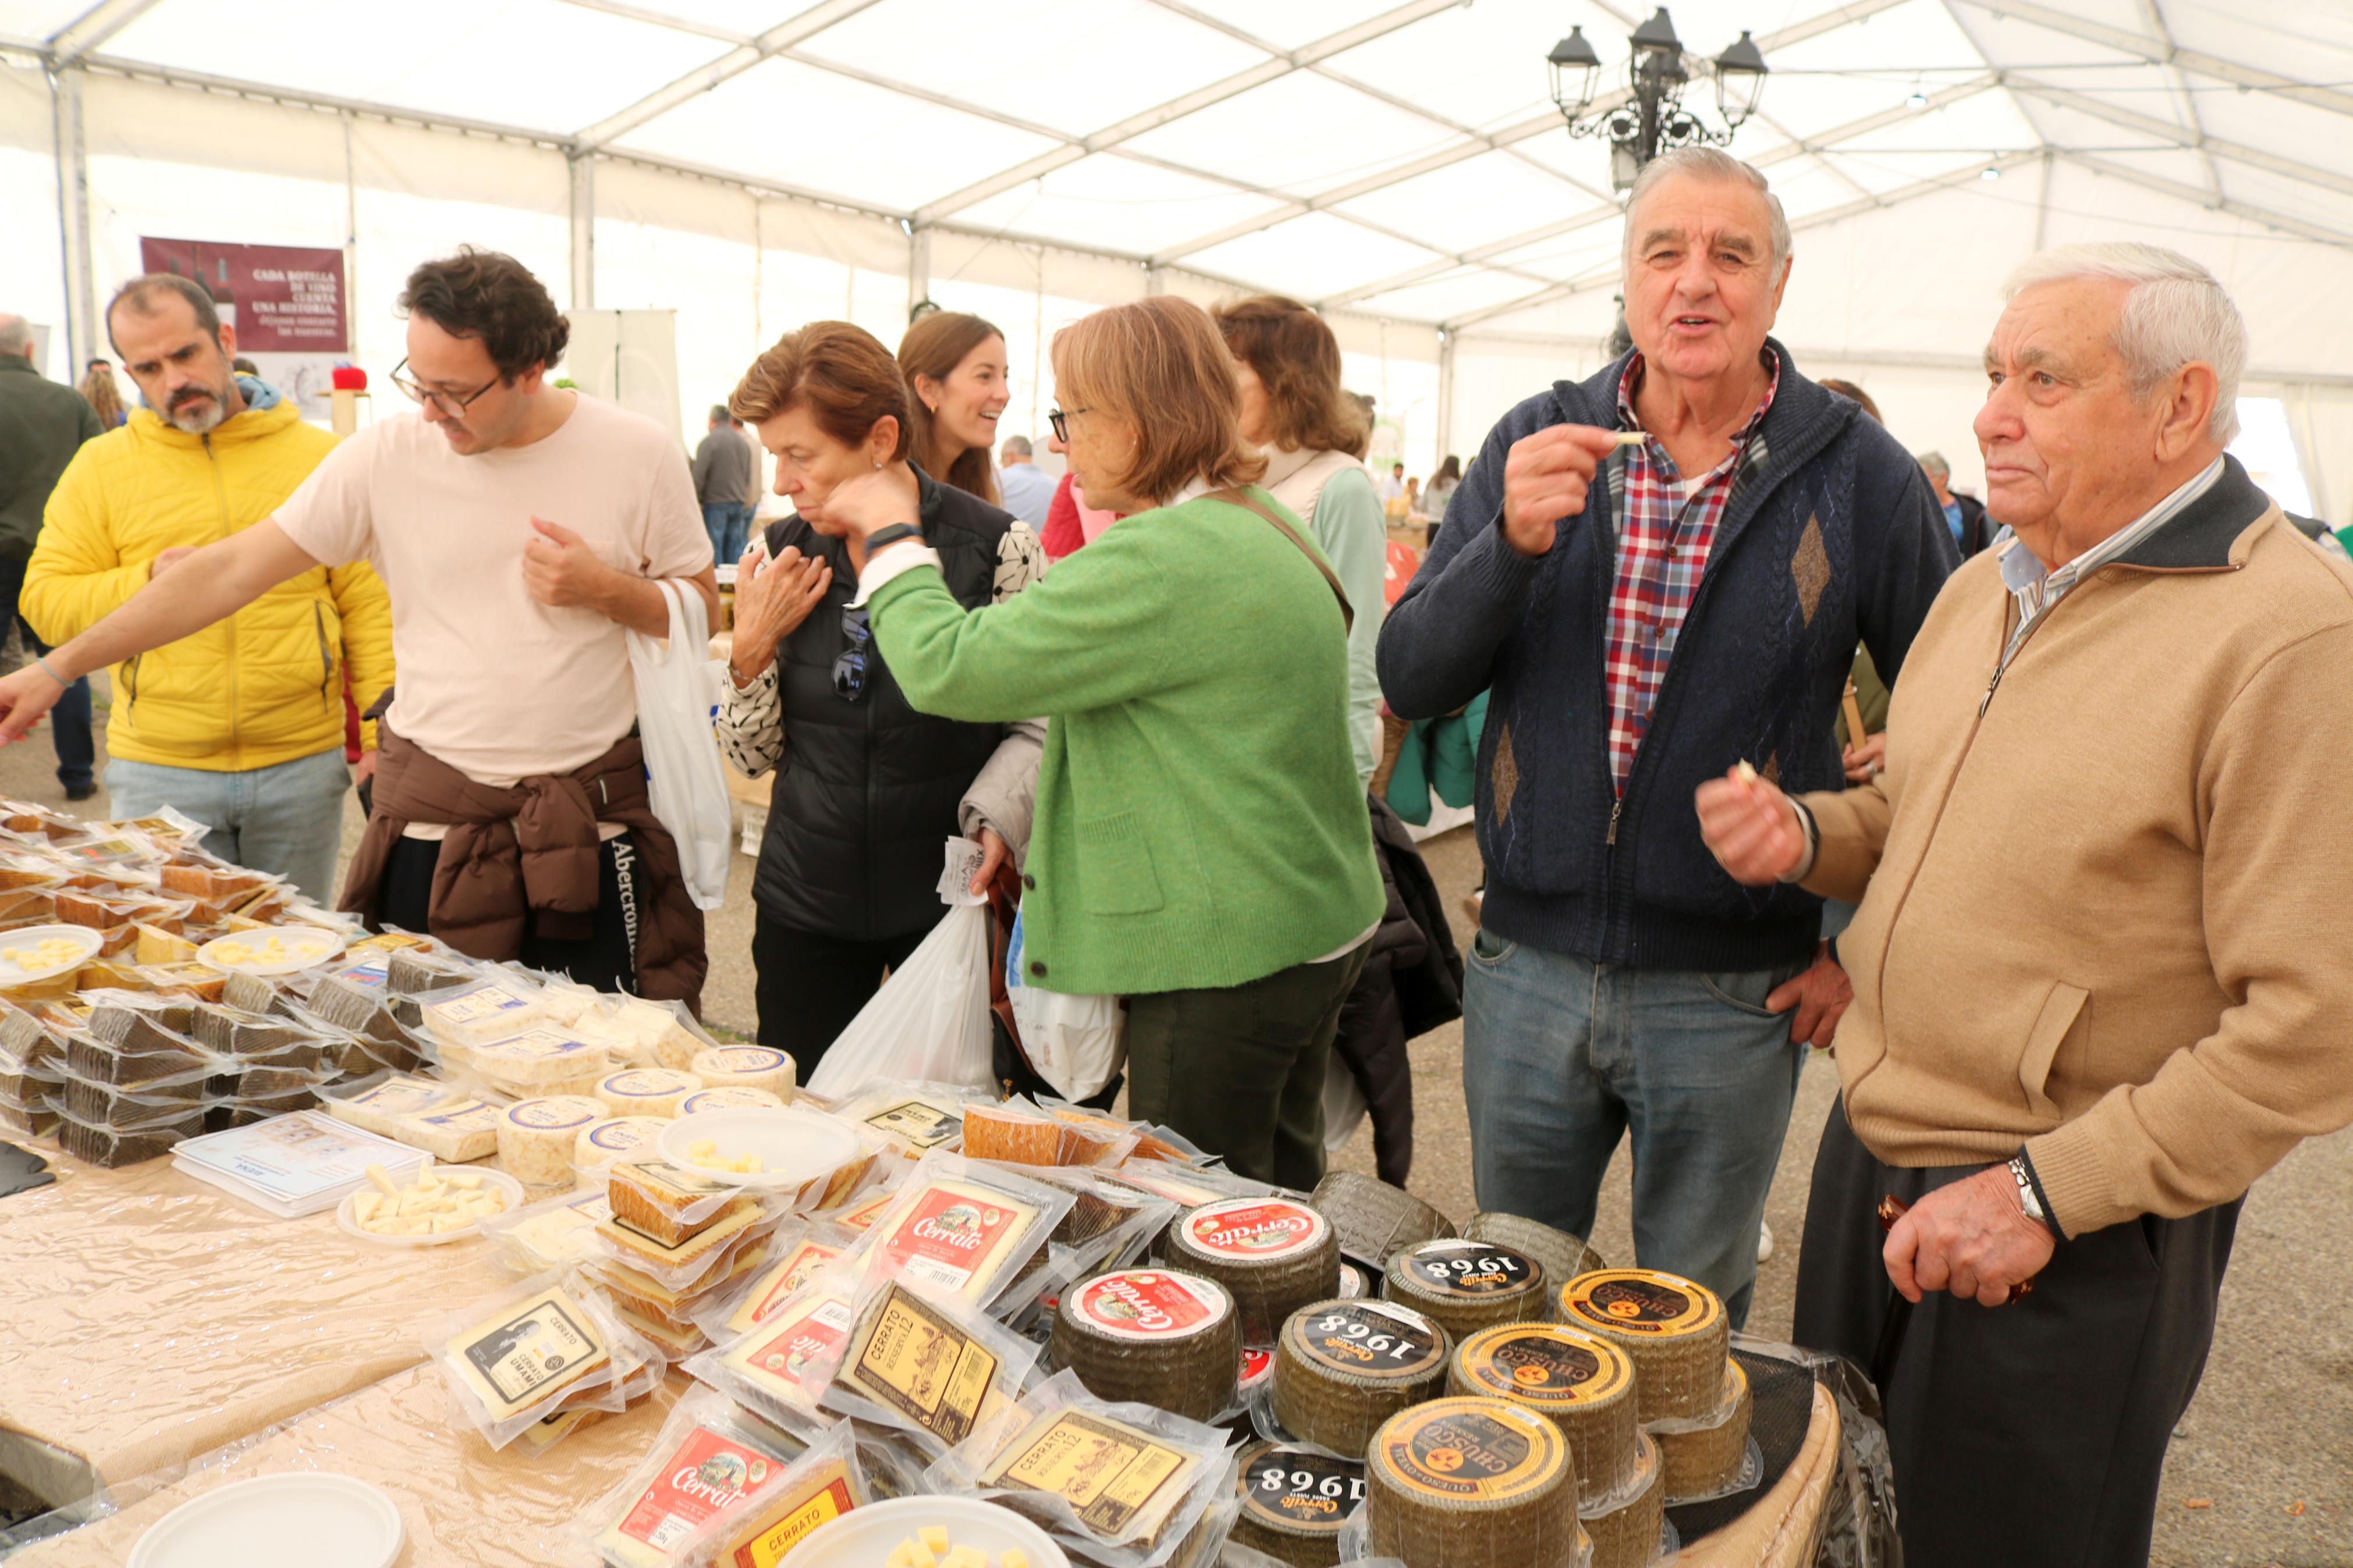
<point x="755" y="163"/>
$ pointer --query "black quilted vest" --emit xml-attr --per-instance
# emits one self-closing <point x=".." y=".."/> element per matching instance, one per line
<point x="867" y="791"/>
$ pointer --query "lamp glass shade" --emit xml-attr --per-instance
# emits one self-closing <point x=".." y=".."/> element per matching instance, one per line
<point x="1576" y="71"/>
<point x="1658" y="53"/>
<point x="1739" y="81"/>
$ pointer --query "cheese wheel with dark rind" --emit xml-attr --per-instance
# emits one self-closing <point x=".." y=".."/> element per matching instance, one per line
<point x="1374" y="1218"/>
<point x="1702" y="1461"/>
<point x="1273" y="1256"/>
<point x="1295" y="1501"/>
<point x="1466" y="1286"/>
<point x="1343" y="1366"/>
<point x="1675" y="1330"/>
<point x="1626" y="1533"/>
<point x="1153" y="1336"/>
<point x="1581" y="1382"/>
<point x="1470" y="1483"/>
<point x="1564" y="1255"/>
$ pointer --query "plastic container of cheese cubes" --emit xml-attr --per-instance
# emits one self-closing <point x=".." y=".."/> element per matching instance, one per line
<point x="866" y="1537"/>
<point x="347" y="1212"/>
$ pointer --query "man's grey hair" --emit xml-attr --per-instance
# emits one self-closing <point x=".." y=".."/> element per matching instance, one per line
<point x="1709" y="164"/>
<point x="2176" y="315"/>
<point x="15" y="334"/>
<point x="1016" y="447"/>
<point x="719" y="414"/>
<point x="1934" y="462"/>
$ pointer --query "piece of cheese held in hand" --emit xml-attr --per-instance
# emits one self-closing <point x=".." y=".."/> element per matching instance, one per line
<point x="437" y="1202"/>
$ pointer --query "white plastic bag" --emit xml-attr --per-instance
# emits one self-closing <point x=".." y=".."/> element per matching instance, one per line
<point x="677" y="695"/>
<point x="930" y="1022"/>
<point x="1078" y="1044"/>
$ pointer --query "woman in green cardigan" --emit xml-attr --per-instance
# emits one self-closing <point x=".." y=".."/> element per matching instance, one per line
<point x="1202" y="845"/>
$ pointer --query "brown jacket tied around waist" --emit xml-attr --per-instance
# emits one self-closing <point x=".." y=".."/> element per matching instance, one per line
<point x="532" y="850"/>
<point x="2105" y="915"/>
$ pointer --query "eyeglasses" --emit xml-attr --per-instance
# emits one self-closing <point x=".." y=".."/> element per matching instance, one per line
<point x="849" y="670"/>
<point x="1060" y="420"/>
<point x="448" y="402"/>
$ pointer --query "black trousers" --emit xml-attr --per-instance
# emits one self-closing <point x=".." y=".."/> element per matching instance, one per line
<point x="604" y="960"/>
<point x="2030" y="1436"/>
<point x="809" y="985"/>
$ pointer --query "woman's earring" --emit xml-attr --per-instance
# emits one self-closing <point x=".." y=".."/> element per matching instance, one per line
<point x="878" y="462"/>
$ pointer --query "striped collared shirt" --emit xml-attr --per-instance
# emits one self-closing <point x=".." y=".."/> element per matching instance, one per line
<point x="2036" y="591"/>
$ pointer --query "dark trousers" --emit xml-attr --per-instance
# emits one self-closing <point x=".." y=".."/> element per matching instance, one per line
<point x="809" y="985"/>
<point x="604" y="960"/>
<point x="69" y="719"/>
<point x="1240" y="1070"/>
<point x="2030" y="1436"/>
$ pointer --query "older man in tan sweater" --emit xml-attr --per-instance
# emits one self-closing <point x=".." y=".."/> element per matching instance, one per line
<point x="2102" y="980"/>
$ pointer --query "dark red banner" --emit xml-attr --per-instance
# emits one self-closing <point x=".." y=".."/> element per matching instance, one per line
<point x="282" y="298"/>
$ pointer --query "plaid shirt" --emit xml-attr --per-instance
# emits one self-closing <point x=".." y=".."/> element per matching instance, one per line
<point x="1663" y="540"/>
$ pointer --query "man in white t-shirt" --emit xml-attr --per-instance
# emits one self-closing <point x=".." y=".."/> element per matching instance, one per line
<point x="522" y="530"/>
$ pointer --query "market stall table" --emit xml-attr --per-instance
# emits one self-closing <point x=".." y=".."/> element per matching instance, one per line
<point x="152" y="1318"/>
<point x="459" y="1500"/>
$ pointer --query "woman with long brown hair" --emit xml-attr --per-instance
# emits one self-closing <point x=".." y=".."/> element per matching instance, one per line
<point x="956" y="388"/>
<point x="105" y="398"/>
<point x="1202" y="845"/>
<point x="1287" y="365"/>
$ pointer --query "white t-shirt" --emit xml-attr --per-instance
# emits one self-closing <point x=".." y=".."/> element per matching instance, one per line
<point x="490" y="680"/>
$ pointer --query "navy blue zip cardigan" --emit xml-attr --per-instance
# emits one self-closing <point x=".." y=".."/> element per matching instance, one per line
<point x="1831" y="536"/>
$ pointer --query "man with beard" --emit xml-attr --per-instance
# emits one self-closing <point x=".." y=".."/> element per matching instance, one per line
<point x="240" y="725"/>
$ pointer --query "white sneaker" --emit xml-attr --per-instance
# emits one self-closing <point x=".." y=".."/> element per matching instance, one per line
<point x="1764" y="1242"/>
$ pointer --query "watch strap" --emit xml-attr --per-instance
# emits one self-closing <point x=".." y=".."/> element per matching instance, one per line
<point x="891" y="533"/>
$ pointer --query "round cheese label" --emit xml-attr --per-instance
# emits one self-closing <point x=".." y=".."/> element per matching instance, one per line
<point x="1258" y="1364"/>
<point x="555" y="1114"/>
<point x="1301" y="1489"/>
<point x="1151" y="1304"/>
<point x="624" y="1133"/>
<point x="1369" y="1339"/>
<point x="1263" y="1230"/>
<point x="1641" y="1301"/>
<point x="1469" y="1270"/>
<point x="1545" y="1365"/>
<point x="734" y="1097"/>
<point x="651" y="1082"/>
<point x="745" y="1059"/>
<point x="1482" y="1451"/>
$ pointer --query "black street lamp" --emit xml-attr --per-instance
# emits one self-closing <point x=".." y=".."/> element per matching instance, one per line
<point x="1652" y="117"/>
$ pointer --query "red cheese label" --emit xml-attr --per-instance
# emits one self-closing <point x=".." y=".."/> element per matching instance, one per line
<point x="798" y="1342"/>
<point x="1147" y="1305"/>
<point x="949" y="1234"/>
<point x="794" y="1272"/>
<point x="709" y="1474"/>
<point x="1262" y="1228"/>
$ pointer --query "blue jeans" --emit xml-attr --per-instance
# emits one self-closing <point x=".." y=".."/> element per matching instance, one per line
<point x="729" y="525"/>
<point x="287" y="820"/>
<point x="1561" y="1057"/>
<point x="69" y="719"/>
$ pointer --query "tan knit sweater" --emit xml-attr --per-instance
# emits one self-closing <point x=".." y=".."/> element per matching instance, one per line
<point x="2108" y="912"/>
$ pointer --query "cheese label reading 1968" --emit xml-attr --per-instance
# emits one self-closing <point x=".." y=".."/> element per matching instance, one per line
<point x="1302" y="1488"/>
<point x="1370" y="1338"/>
<point x="1263" y="1229"/>
<point x="1469" y="1268"/>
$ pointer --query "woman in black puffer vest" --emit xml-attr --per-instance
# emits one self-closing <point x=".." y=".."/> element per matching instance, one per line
<point x="867" y="789"/>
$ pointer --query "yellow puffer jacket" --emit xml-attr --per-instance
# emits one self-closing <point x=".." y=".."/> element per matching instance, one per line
<point x="263" y="687"/>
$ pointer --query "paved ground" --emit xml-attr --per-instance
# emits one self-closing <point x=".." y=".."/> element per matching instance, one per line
<point x="2261" y="1472"/>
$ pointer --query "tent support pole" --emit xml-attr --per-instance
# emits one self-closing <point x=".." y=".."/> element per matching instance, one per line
<point x="919" y="269"/>
<point x="1445" y="395"/>
<point x="1155" y="279"/>
<point x="83" y="333"/>
<point x="350" y="243"/>
<point x="583" y="232"/>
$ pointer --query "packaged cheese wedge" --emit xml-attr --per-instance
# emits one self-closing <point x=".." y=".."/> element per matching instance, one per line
<point x="543" y="1345"/>
<point x="918" y="1119"/>
<point x="820" y="1486"/>
<point x="926" y="1364"/>
<point x="1124" y="1484"/>
<point x="774" y="1366"/>
<point x="799" y="1251"/>
<point x="966" y="1227"/>
<point x="708" y="1459"/>
<point x="550" y="1234"/>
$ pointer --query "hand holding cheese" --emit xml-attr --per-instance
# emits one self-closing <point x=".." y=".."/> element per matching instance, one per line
<point x="1750" y="827"/>
<point x="435" y="1204"/>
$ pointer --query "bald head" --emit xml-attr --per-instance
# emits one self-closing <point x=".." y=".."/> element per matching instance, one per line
<point x="15" y="336"/>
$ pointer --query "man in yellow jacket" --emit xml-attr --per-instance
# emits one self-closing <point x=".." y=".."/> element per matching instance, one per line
<point x="241" y="726"/>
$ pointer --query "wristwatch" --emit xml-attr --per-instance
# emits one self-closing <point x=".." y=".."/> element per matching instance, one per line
<point x="889" y="534"/>
<point x="2028" y="1199"/>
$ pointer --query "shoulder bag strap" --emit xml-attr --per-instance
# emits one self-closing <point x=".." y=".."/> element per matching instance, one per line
<point x="1236" y="496"/>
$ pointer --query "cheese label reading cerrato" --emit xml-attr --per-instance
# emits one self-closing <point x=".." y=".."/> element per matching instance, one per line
<point x="1302" y="1489"/>
<point x="1146" y="1304"/>
<point x="919" y="1122"/>
<point x="1641" y="1301"/>
<point x="702" y="1478"/>
<point x="1469" y="1269"/>
<point x="1370" y="1338"/>
<point x="1545" y="1365"/>
<point x="779" y="1358"/>
<point x="1472" y="1448"/>
<point x="1261" y="1228"/>
<point x="954" y="1233"/>
<point x="818" y="1499"/>
<point x="919" y="1363"/>
<point x="1107" y="1471"/>
<point x="522" y="1352"/>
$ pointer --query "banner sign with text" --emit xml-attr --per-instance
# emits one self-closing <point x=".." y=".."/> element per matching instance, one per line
<point x="282" y="298"/>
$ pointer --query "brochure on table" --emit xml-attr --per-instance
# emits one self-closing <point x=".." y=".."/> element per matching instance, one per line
<point x="292" y="1166"/>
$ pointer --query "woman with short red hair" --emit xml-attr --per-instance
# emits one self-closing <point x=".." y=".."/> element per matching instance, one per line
<point x="1201" y="846"/>
<point x="867" y="787"/>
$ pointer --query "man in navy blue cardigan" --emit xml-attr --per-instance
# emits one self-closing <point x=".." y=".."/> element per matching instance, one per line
<point x="1659" y="573"/>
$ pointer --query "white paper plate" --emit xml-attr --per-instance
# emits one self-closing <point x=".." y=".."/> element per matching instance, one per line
<point x="30" y="937"/>
<point x="863" y="1537"/>
<point x="795" y="1145"/>
<point x="318" y="946"/>
<point x="301" y="1520"/>
<point x="347" y="1212"/>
